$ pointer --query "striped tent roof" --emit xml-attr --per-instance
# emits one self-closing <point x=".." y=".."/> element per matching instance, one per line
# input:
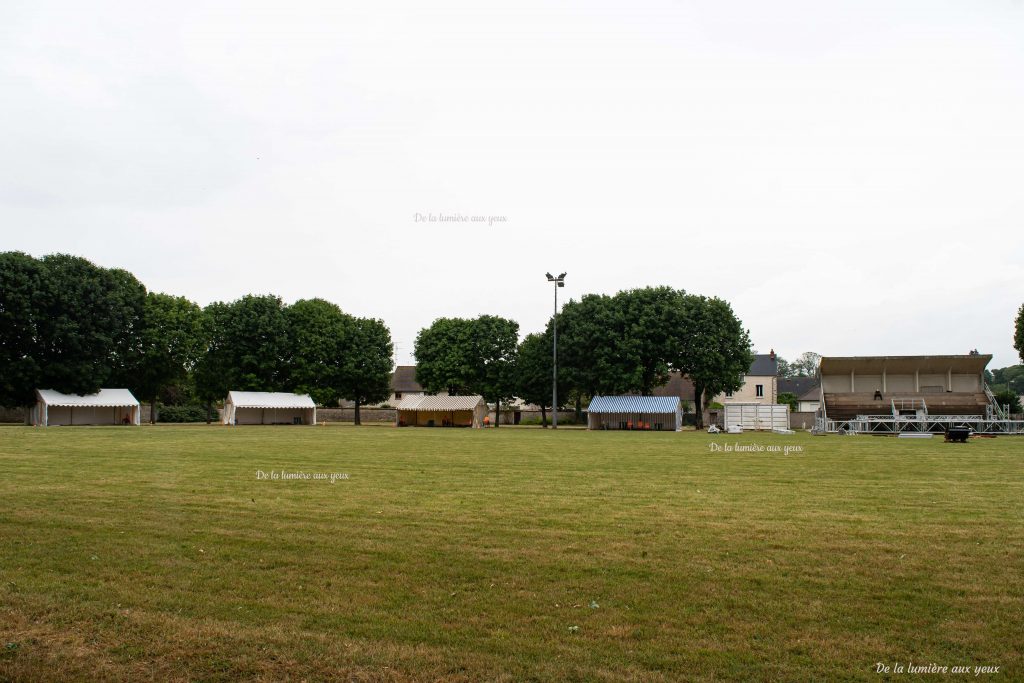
<point x="634" y="404"/>
<point x="441" y="402"/>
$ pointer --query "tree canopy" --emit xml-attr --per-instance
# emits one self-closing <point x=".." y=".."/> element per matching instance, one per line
<point x="168" y="345"/>
<point x="630" y="342"/>
<point x="1018" y="336"/>
<point x="336" y="356"/>
<point x="534" y="371"/>
<point x="65" y="324"/>
<point x="1008" y="379"/>
<point x="468" y="356"/>
<point x="367" y="363"/>
<point x="716" y="351"/>
<point x="319" y="334"/>
<point x="247" y="347"/>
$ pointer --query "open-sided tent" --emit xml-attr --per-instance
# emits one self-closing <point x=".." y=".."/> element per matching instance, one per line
<point x="442" y="411"/>
<point x="658" y="413"/>
<point x="268" y="408"/>
<point x="105" y="407"/>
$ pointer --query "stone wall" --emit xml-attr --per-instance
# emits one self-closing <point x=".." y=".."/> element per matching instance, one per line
<point x="349" y="415"/>
<point x="801" y="420"/>
<point x="12" y="415"/>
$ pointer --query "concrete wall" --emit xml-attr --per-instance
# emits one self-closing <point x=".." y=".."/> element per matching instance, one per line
<point x="801" y="420"/>
<point x="901" y="383"/>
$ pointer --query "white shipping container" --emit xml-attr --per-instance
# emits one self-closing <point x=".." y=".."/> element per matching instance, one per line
<point x="757" y="416"/>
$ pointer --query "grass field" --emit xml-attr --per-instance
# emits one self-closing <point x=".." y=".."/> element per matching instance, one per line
<point x="510" y="554"/>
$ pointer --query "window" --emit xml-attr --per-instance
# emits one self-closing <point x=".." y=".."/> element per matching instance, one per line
<point x="728" y="394"/>
<point x="398" y="395"/>
<point x="760" y="391"/>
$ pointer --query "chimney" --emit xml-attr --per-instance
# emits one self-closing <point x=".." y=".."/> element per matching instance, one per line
<point x="772" y="354"/>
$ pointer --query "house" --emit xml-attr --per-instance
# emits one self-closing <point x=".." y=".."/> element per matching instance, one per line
<point x="404" y="384"/>
<point x="105" y="407"/>
<point x="798" y="386"/>
<point x="809" y="401"/>
<point x="657" y="413"/>
<point x="760" y="383"/>
<point x="268" y="408"/>
<point x="806" y="389"/>
<point x="680" y="386"/>
<point x="441" y="411"/>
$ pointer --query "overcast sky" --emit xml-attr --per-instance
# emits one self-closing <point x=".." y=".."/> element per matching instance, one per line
<point x="849" y="175"/>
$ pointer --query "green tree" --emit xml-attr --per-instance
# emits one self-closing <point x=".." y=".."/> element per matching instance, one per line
<point x="654" y="320"/>
<point x="65" y="324"/>
<point x="368" y="363"/>
<point x="1018" y="337"/>
<point x="87" y="324"/>
<point x="21" y="286"/>
<point x="789" y="399"/>
<point x="247" y="348"/>
<point x="534" y="372"/>
<point x="623" y="343"/>
<point x="1007" y="379"/>
<point x="785" y="369"/>
<point x="496" y="342"/>
<point x="715" y="351"/>
<point x="596" y="354"/>
<point x="169" y="344"/>
<point x="1009" y="398"/>
<point x="320" y="335"/>
<point x="806" y="365"/>
<point x="469" y="356"/>
<point x="445" y="357"/>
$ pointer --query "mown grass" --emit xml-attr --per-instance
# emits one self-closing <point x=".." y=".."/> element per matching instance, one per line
<point x="155" y="553"/>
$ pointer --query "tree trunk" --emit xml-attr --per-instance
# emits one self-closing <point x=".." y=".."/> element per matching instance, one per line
<point x="698" y="402"/>
<point x="497" y="413"/>
<point x="543" y="417"/>
<point x="358" y="420"/>
<point x="152" y="411"/>
<point x="579" y="410"/>
<point x="209" y="411"/>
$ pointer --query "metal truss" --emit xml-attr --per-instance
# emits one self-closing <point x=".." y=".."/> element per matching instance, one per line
<point x="935" y="424"/>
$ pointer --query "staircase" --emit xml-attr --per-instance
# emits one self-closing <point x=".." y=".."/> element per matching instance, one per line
<point x="909" y="407"/>
<point x="994" y="410"/>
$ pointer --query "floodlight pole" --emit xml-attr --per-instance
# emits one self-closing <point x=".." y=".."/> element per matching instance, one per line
<point x="558" y="282"/>
<point x="554" y="366"/>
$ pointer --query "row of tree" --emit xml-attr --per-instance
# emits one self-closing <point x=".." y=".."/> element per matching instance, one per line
<point x="804" y="366"/>
<point x="70" y="325"/>
<point x="629" y="342"/>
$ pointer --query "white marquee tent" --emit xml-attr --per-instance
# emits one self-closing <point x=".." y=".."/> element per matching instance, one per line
<point x="106" y="407"/>
<point x="268" y="408"/>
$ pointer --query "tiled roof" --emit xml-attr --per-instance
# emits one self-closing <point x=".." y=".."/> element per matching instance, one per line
<point x="440" y="402"/>
<point x="764" y="365"/>
<point x="797" y="385"/>
<point x="404" y="379"/>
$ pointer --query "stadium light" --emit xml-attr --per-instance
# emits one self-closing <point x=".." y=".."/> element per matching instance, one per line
<point x="558" y="282"/>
